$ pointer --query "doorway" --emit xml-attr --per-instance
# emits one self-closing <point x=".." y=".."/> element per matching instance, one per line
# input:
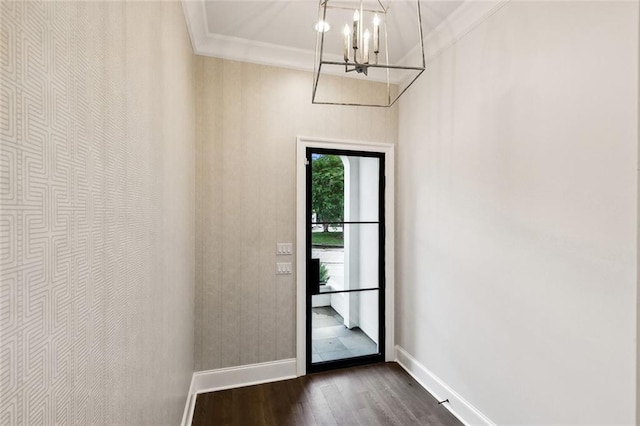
<point x="345" y="258"/>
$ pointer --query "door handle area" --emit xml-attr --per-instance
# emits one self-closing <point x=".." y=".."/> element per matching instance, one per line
<point x="313" y="276"/>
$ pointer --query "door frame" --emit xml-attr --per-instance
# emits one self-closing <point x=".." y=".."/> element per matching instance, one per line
<point x="387" y="149"/>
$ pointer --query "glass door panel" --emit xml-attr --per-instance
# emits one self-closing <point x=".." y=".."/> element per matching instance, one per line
<point x="344" y="325"/>
<point x="345" y="258"/>
<point x="344" y="188"/>
<point x="348" y="257"/>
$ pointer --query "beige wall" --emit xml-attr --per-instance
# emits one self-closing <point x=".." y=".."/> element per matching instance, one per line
<point x="248" y="119"/>
<point x="97" y="191"/>
<point x="517" y="214"/>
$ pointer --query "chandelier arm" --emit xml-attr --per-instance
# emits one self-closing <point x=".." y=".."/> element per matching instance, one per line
<point x="424" y="63"/>
<point x="393" y="67"/>
<point x="386" y="55"/>
<point x="317" y="61"/>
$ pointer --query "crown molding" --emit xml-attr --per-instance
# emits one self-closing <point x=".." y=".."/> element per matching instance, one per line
<point x="239" y="49"/>
<point x="461" y="22"/>
<point x="457" y="25"/>
<point x="206" y="43"/>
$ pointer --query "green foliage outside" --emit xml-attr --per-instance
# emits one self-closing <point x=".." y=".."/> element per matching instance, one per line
<point x="327" y="239"/>
<point x="327" y="188"/>
<point x="324" y="273"/>
<point x="327" y="201"/>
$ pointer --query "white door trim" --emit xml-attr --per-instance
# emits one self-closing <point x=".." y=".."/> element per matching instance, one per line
<point x="301" y="267"/>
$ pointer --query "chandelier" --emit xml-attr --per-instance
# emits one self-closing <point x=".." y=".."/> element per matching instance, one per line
<point x="379" y="45"/>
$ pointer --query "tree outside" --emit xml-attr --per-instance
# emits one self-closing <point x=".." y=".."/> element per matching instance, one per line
<point x="327" y="195"/>
<point x="327" y="203"/>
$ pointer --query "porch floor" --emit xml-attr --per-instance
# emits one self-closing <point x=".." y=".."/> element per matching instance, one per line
<point x="331" y="340"/>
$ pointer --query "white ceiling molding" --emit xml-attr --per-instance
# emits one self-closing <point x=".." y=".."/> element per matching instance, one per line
<point x="466" y="17"/>
<point x="238" y="49"/>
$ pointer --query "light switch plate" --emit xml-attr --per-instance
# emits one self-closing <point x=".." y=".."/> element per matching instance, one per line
<point x="284" y="248"/>
<point x="283" y="268"/>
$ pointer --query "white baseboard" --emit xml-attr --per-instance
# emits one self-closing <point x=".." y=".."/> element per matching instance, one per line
<point x="458" y="406"/>
<point x="187" y="415"/>
<point x="254" y="374"/>
<point x="235" y="377"/>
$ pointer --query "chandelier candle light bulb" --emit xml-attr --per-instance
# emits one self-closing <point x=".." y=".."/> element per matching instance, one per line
<point x="356" y="30"/>
<point x="365" y="54"/>
<point x="376" y="34"/>
<point x="346" y="43"/>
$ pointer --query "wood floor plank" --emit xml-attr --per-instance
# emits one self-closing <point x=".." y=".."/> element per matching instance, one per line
<point x="388" y="383"/>
<point x="339" y="405"/>
<point x="376" y="394"/>
<point x="389" y="402"/>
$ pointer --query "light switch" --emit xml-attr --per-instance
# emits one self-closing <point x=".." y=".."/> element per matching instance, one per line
<point x="284" y="248"/>
<point x="283" y="268"/>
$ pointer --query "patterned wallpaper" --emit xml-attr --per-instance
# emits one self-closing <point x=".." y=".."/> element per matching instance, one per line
<point x="97" y="224"/>
<point x="248" y="118"/>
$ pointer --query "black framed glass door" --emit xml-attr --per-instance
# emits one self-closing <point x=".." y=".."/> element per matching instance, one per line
<point x="344" y="257"/>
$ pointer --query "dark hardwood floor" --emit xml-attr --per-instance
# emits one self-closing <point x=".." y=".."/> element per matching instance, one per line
<point x="376" y="394"/>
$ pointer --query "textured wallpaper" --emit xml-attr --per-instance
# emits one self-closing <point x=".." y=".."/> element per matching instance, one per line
<point x="97" y="131"/>
<point x="248" y="119"/>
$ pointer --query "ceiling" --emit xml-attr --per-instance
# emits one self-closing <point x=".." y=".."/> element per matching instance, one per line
<point x="280" y="32"/>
